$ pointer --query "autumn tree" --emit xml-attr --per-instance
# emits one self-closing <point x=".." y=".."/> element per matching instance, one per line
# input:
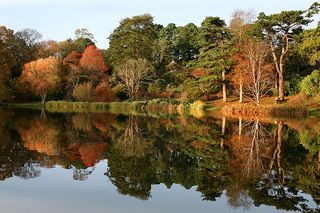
<point x="240" y="26"/>
<point x="133" y="73"/>
<point x="71" y="72"/>
<point x="41" y="76"/>
<point x="92" y="59"/>
<point x="103" y="91"/>
<point x="15" y="50"/>
<point x="257" y="72"/>
<point x="48" y="48"/>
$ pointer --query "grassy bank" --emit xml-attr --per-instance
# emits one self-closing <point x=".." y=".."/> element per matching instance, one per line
<point x="274" y="110"/>
<point x="155" y="107"/>
<point x="170" y="107"/>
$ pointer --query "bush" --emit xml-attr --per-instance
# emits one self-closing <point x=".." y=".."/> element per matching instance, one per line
<point x="103" y="92"/>
<point x="311" y="84"/>
<point x="293" y="85"/>
<point x="83" y="92"/>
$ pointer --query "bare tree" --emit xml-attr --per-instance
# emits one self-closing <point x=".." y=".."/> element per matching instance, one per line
<point x="257" y="71"/>
<point x="240" y="25"/>
<point x="133" y="73"/>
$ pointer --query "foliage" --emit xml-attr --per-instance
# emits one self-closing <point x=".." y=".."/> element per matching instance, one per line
<point x="310" y="45"/>
<point x="311" y="84"/>
<point x="134" y="38"/>
<point x="178" y="43"/>
<point x="83" y="92"/>
<point x="103" y="92"/>
<point x="93" y="60"/>
<point x="41" y="76"/>
<point x="278" y="31"/>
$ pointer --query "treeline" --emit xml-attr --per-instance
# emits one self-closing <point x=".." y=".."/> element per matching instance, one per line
<point x="252" y="57"/>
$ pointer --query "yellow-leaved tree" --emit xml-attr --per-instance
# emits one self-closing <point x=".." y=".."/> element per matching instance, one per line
<point x="41" y="76"/>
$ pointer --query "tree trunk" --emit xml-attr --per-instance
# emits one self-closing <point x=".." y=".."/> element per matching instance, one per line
<point x="276" y="81"/>
<point x="224" y="87"/>
<point x="241" y="93"/>
<point x="43" y="98"/>
<point x="240" y="126"/>
<point x="281" y="86"/>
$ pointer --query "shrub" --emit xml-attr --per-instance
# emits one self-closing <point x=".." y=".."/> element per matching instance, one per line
<point x="83" y="92"/>
<point x="297" y="99"/>
<point x="103" y="92"/>
<point x="311" y="84"/>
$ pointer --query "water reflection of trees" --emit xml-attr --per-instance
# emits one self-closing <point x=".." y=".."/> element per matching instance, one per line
<point x="75" y="144"/>
<point x="253" y="162"/>
<point x="264" y="161"/>
<point x="167" y="151"/>
<point x="14" y="159"/>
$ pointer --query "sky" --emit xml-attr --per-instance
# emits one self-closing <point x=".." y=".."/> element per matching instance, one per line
<point x="58" y="19"/>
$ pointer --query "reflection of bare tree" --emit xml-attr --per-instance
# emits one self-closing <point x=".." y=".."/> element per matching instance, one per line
<point x="257" y="149"/>
<point x="251" y="146"/>
<point x="132" y="142"/>
<point x="238" y="197"/>
<point x="254" y="148"/>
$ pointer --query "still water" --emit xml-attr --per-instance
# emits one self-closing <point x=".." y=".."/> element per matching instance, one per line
<point x="103" y="162"/>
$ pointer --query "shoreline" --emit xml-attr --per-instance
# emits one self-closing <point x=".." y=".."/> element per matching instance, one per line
<point x="173" y="106"/>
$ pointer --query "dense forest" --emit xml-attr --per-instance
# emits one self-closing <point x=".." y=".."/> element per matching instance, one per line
<point x="251" y="57"/>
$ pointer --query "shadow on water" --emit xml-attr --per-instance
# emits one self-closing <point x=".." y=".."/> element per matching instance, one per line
<point x="254" y="162"/>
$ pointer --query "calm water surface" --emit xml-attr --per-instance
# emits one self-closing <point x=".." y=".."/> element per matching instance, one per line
<point x="103" y="162"/>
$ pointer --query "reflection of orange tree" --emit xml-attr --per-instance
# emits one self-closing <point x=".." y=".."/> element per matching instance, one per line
<point x="74" y="147"/>
<point x="102" y="121"/>
<point x="42" y="136"/>
<point x="15" y="159"/>
<point x="92" y="153"/>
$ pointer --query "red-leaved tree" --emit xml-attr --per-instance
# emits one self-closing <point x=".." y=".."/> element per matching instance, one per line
<point x="92" y="60"/>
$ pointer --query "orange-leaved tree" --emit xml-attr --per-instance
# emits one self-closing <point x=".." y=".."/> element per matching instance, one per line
<point x="92" y="60"/>
<point x="41" y="76"/>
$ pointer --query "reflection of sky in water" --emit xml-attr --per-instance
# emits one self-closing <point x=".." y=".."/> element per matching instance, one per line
<point x="55" y="191"/>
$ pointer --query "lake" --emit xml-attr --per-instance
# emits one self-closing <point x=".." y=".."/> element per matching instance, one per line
<point x="104" y="162"/>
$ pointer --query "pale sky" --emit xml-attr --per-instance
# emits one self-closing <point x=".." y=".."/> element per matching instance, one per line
<point x="58" y="19"/>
